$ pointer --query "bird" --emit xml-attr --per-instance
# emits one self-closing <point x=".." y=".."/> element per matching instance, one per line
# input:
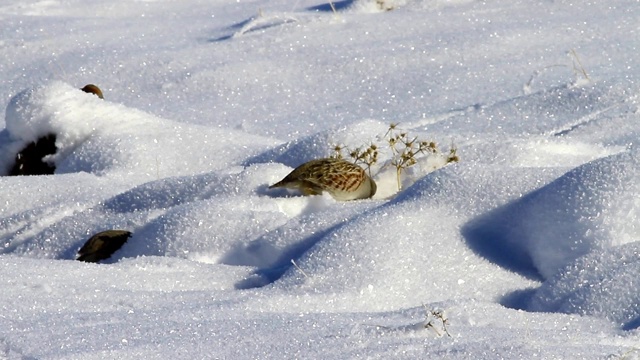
<point x="102" y="245"/>
<point x="342" y="179"/>
<point x="93" y="89"/>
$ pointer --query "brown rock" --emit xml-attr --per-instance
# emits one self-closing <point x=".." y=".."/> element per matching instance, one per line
<point x="102" y="245"/>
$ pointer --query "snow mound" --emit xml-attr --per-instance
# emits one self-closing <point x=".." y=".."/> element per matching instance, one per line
<point x="101" y="137"/>
<point x="602" y="283"/>
<point x="405" y="251"/>
<point x="201" y="217"/>
<point x="594" y="206"/>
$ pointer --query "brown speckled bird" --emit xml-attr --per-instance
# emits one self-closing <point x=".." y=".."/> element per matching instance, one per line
<point x="340" y="178"/>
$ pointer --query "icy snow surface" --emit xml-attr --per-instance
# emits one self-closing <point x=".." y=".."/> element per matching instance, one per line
<point x="529" y="244"/>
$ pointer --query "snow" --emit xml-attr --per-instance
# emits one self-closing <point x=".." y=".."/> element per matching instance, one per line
<point x="528" y="245"/>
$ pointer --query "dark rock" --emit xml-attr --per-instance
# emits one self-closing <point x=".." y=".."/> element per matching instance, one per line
<point x="102" y="245"/>
<point x="29" y="160"/>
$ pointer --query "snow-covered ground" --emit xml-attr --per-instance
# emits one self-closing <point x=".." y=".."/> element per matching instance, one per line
<point x="528" y="246"/>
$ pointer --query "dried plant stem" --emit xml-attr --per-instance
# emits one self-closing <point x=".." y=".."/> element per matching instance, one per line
<point x="579" y="68"/>
<point x="404" y="152"/>
<point x="333" y="8"/>
<point x="299" y="268"/>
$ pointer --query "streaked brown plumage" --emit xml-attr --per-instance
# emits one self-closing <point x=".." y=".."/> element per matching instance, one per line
<point x="340" y="178"/>
<point x="102" y="245"/>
